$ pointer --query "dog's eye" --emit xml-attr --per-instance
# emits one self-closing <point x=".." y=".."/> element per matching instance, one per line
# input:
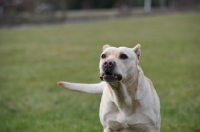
<point x="123" y="56"/>
<point x="103" y="56"/>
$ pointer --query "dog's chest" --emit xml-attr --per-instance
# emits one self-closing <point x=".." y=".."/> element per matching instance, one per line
<point x="109" y="111"/>
<point x="120" y="118"/>
<point x="113" y="119"/>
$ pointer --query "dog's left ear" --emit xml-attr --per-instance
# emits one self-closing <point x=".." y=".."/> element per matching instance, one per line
<point x="105" y="46"/>
<point x="137" y="50"/>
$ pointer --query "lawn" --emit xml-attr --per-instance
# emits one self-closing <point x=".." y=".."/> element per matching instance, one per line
<point x="35" y="58"/>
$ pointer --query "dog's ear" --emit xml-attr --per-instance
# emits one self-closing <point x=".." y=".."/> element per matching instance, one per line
<point x="105" y="46"/>
<point x="136" y="49"/>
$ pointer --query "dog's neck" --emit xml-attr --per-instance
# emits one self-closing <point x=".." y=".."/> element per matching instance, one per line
<point x="124" y="94"/>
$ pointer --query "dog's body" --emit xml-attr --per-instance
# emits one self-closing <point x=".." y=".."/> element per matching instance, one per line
<point x="129" y="101"/>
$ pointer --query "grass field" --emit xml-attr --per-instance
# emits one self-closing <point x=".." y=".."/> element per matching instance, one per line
<point x="34" y="59"/>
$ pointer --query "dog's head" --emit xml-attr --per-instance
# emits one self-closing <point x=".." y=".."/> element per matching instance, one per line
<point x="118" y="64"/>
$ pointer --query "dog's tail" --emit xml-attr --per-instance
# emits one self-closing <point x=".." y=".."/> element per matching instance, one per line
<point x="84" y="88"/>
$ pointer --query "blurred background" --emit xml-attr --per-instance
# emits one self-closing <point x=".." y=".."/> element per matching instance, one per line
<point x="46" y="41"/>
<point x="14" y="12"/>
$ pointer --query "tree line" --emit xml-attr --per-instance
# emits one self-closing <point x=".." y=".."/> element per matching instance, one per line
<point x="64" y="5"/>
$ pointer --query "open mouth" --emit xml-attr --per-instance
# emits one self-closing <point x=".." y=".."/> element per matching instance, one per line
<point x="111" y="77"/>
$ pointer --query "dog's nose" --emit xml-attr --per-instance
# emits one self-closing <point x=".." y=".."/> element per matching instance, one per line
<point x="109" y="63"/>
<point x="108" y="66"/>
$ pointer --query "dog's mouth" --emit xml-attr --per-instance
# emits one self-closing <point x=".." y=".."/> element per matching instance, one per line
<point x="110" y="77"/>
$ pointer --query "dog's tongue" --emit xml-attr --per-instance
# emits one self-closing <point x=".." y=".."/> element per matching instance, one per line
<point x="116" y="76"/>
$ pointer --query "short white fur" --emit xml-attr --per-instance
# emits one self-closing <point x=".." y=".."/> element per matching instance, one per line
<point x="128" y="105"/>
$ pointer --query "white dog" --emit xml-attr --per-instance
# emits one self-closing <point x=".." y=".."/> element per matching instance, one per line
<point x="129" y="101"/>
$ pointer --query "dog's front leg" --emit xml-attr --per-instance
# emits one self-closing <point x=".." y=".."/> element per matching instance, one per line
<point x="84" y="88"/>
<point x="114" y="126"/>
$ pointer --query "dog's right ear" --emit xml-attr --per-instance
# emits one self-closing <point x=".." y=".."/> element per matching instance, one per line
<point x="137" y="50"/>
<point x="105" y="46"/>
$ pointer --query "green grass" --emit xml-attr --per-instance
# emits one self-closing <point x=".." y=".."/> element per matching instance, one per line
<point x="33" y="59"/>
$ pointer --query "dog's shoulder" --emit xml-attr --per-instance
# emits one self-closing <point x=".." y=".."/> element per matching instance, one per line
<point x="150" y="82"/>
<point x="145" y="78"/>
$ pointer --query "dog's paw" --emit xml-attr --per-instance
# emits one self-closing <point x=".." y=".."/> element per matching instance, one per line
<point x="116" y="126"/>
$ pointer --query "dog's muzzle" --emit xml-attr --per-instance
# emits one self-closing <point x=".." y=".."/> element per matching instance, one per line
<point x="109" y="74"/>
